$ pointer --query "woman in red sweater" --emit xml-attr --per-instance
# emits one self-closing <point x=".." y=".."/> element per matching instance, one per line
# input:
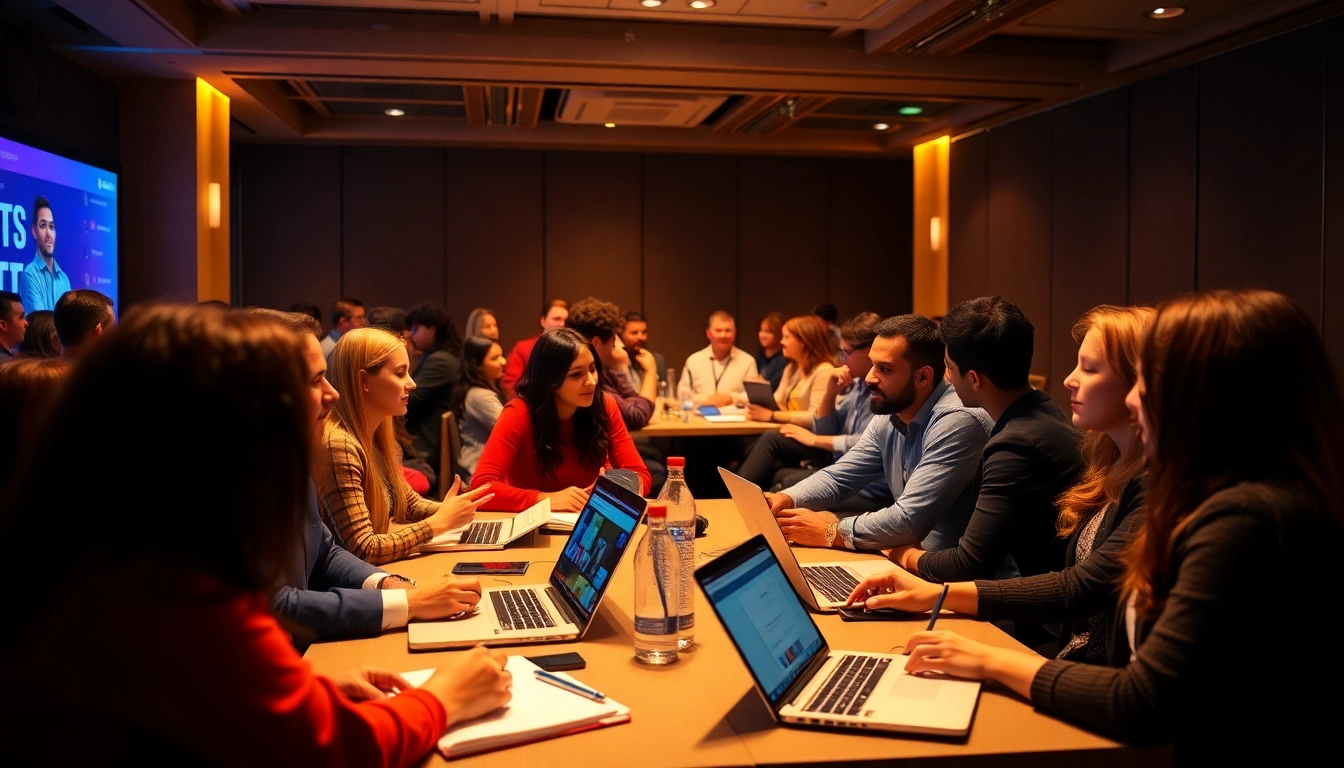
<point x="153" y="642"/>
<point x="559" y="434"/>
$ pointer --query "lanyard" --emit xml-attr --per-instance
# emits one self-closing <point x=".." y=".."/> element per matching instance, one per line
<point x="719" y="375"/>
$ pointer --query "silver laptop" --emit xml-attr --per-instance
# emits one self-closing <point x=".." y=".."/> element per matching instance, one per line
<point x="491" y="534"/>
<point x="802" y="680"/>
<point x="823" y="586"/>
<point x="562" y="608"/>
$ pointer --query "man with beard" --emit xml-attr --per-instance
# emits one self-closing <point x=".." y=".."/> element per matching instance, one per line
<point x="927" y="448"/>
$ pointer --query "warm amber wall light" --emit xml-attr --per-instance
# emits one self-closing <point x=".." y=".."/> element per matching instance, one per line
<point x="213" y="203"/>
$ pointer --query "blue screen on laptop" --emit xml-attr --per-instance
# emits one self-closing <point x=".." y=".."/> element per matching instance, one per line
<point x="600" y="536"/>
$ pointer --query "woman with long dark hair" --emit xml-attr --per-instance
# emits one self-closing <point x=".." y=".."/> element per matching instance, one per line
<point x="40" y="339"/>
<point x="477" y="399"/>
<point x="559" y="434"/>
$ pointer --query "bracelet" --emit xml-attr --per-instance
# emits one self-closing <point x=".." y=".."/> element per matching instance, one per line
<point x="406" y="579"/>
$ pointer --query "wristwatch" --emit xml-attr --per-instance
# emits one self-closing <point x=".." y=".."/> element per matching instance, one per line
<point x="831" y="530"/>
<point x="406" y="579"/>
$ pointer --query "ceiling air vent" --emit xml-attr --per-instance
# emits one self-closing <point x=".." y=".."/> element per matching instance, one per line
<point x="675" y="110"/>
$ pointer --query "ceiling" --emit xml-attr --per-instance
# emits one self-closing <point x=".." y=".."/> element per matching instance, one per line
<point x="820" y="77"/>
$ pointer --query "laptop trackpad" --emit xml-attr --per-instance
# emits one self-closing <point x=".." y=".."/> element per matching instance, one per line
<point x="915" y="687"/>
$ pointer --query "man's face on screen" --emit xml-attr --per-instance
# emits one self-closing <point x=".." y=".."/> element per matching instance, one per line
<point x="44" y="231"/>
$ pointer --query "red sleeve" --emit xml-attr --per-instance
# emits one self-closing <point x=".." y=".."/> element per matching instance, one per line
<point x="622" y="453"/>
<point x="512" y="434"/>
<point x="513" y="368"/>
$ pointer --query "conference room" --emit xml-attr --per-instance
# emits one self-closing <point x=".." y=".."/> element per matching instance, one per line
<point x="755" y="165"/>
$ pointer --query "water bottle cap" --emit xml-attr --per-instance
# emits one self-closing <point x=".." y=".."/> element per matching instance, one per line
<point x="658" y="511"/>
<point x="676" y="461"/>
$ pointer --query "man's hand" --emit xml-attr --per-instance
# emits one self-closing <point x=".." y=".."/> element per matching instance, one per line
<point x="799" y="435"/>
<point x="805" y="527"/>
<point x="779" y="502"/>
<point x="718" y="399"/>
<point x="839" y="378"/>
<point x="443" y="596"/>
<point x="365" y="683"/>
<point x="646" y="361"/>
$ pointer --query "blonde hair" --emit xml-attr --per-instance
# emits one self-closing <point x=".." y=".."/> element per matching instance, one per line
<point x="367" y="350"/>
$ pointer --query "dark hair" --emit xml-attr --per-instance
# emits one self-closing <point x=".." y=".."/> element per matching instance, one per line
<point x="40" y="340"/>
<point x="595" y="318"/>
<point x="635" y="317"/>
<point x="27" y="388"/>
<point x="432" y="315"/>
<point x="297" y="322"/>
<point x="860" y="330"/>
<point x="8" y="301"/>
<point x="546" y="369"/>
<point x="546" y="308"/>
<point x="469" y="374"/>
<point x="78" y="312"/>
<point x="311" y="310"/>
<point x="992" y="337"/>
<point x="826" y="312"/>
<point x="242" y="380"/>
<point x="389" y="319"/>
<point x="38" y="204"/>
<point x="923" y="346"/>
<point x="343" y="307"/>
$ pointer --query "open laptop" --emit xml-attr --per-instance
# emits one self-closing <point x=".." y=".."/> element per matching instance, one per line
<point x="491" y="534"/>
<point x="823" y="586"/>
<point x="562" y="608"/>
<point x="802" y="680"/>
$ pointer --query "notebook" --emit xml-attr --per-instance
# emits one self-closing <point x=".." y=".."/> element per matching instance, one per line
<point x="804" y="682"/>
<point x="561" y="609"/>
<point x="761" y="394"/>
<point x="537" y="711"/>
<point x="491" y="534"/>
<point x="823" y="586"/>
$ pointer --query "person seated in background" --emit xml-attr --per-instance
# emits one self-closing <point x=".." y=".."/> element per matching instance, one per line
<point x="829" y="316"/>
<point x="40" y="340"/>
<point x="13" y="325"/>
<point x="635" y="339"/>
<point x="81" y="318"/>
<point x="309" y="309"/>
<point x="434" y="334"/>
<point x="808" y="349"/>
<point x="393" y="320"/>
<point x="477" y="399"/>
<point x="27" y="388"/>
<point x="422" y="477"/>
<point x="553" y="316"/>
<point x="715" y="374"/>
<point x="482" y="322"/>
<point x="358" y="471"/>
<point x="1231" y="525"/>
<point x="328" y="593"/>
<point x="927" y="449"/>
<point x="558" y="434"/>
<point x="1099" y="516"/>
<point x="347" y="314"/>
<point x="770" y="360"/>
<point x="216" y="679"/>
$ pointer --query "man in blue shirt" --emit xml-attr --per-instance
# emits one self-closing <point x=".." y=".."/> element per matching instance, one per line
<point x="927" y="448"/>
<point x="43" y="281"/>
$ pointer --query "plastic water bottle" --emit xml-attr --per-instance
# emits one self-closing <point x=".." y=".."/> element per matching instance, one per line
<point x="687" y="397"/>
<point x="671" y="406"/>
<point x="657" y="577"/>
<point x="676" y="496"/>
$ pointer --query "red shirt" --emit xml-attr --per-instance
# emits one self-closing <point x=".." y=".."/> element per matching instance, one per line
<point x="515" y="363"/>
<point x="509" y="463"/>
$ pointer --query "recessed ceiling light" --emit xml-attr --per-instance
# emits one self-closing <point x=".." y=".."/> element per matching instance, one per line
<point x="910" y="110"/>
<point x="1168" y="12"/>
<point x="701" y="5"/>
<point x="609" y="125"/>
<point x="394" y="112"/>
<point x="651" y="3"/>
<point x="815" y="5"/>
<point x="880" y="126"/>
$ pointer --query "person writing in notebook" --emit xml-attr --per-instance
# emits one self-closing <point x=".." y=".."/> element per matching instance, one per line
<point x="180" y="661"/>
<point x="561" y="431"/>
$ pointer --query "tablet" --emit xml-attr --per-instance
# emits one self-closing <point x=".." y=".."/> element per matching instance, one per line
<point x="759" y="392"/>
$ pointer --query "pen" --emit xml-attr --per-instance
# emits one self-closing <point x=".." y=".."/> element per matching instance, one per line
<point x="938" y="606"/>
<point x="571" y="686"/>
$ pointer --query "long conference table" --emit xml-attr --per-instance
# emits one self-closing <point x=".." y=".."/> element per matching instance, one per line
<point x="699" y="426"/>
<point x="704" y="711"/>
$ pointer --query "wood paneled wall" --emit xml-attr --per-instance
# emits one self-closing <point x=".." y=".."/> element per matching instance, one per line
<point x="1225" y="174"/>
<point x="676" y="236"/>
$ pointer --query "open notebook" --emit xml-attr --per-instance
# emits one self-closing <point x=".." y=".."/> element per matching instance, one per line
<point x="537" y="711"/>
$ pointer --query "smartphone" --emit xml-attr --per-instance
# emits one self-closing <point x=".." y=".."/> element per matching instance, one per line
<point x="859" y="613"/>
<point x="491" y="569"/>
<point x="707" y="410"/>
<point x="558" y="662"/>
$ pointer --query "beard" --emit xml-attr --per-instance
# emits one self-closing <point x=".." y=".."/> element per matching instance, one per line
<point x="885" y="405"/>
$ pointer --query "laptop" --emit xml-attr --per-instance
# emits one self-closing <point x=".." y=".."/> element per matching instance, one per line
<point x="761" y="394"/>
<point x="803" y="681"/>
<point x="491" y="534"/>
<point x="562" y="608"/>
<point x="824" y="587"/>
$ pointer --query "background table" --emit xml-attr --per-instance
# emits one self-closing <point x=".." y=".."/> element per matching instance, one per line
<point x="703" y="710"/>
<point x="698" y="426"/>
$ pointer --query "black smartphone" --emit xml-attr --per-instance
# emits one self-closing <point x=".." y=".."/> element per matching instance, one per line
<point x="859" y="613"/>
<point x="558" y="662"/>
<point x="491" y="569"/>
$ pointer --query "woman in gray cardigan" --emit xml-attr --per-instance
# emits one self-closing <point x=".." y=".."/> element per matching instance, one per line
<point x="477" y="399"/>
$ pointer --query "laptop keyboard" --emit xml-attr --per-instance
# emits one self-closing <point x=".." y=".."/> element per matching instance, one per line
<point x="483" y="533"/>
<point x="520" y="609"/>
<point x="832" y="581"/>
<point x="848" y="686"/>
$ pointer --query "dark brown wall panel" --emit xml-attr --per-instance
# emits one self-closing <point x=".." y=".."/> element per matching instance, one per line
<point x="690" y="249"/>
<point x="289" y="237"/>
<point x="392" y="217"/>
<point x="1260" y="161"/>
<point x="967" y="230"/>
<point x="593" y="203"/>
<point x="1162" y="149"/>
<point x="1089" y="222"/>
<point x="782" y="239"/>
<point x="870" y="239"/>
<point x="1333" y="272"/>
<point x="1019" y="224"/>
<point x="493" y="225"/>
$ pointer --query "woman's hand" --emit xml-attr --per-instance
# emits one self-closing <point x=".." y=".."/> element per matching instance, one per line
<point x="896" y="588"/>
<point x="457" y="509"/>
<point x="471" y="683"/>
<point x="951" y="654"/>
<point x="365" y="683"/>
<point x="570" y="499"/>
<point x="757" y="413"/>
<point x="443" y="596"/>
<point x="799" y="435"/>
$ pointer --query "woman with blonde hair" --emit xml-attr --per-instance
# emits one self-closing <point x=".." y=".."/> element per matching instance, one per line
<point x="806" y="344"/>
<point x="358" y="476"/>
<point x="482" y="322"/>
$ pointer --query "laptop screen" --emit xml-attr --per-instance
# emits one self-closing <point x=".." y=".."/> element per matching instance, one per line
<point x="600" y="537"/>
<point x="763" y="617"/>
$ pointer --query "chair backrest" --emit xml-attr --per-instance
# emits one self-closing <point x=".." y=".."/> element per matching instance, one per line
<point x="1036" y="380"/>
<point x="450" y="448"/>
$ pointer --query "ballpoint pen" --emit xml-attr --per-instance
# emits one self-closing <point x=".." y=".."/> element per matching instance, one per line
<point x="569" y="685"/>
<point x="938" y="606"/>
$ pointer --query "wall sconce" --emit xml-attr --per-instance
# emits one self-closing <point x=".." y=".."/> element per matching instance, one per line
<point x="935" y="233"/>
<point x="212" y="204"/>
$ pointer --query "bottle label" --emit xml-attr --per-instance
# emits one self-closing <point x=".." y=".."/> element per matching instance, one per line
<point x="686" y="622"/>
<point x="656" y="625"/>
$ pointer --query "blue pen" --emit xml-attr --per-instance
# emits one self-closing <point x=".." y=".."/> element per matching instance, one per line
<point x="570" y="685"/>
